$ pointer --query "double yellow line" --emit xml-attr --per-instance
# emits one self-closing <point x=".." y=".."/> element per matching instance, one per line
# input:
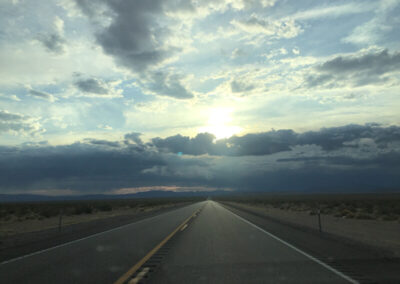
<point x="134" y="268"/>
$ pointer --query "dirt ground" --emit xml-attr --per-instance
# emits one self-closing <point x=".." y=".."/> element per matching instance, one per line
<point x="377" y="233"/>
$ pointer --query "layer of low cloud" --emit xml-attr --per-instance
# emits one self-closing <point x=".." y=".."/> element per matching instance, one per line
<point x="266" y="143"/>
<point x="347" y="158"/>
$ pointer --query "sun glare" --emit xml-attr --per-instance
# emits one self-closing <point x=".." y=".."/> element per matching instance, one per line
<point x="219" y="124"/>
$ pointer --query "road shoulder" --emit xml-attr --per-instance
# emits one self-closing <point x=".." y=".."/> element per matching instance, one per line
<point x="356" y="260"/>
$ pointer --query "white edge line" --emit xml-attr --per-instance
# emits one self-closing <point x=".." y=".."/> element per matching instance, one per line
<point x="82" y="239"/>
<point x="341" y="274"/>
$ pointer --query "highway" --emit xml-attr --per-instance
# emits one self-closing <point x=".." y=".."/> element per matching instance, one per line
<point x="199" y="243"/>
<point x="98" y="259"/>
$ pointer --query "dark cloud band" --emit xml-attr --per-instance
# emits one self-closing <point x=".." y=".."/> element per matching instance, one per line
<point x="353" y="157"/>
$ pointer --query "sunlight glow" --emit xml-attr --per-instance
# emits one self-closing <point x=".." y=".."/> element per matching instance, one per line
<point x="218" y="124"/>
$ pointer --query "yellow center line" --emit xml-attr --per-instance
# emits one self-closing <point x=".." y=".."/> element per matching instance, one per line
<point x="134" y="268"/>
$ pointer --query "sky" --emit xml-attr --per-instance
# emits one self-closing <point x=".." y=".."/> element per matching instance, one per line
<point x="118" y="96"/>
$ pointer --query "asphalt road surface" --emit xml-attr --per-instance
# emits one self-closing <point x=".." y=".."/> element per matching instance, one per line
<point x="101" y="258"/>
<point x="221" y="247"/>
<point x="215" y="247"/>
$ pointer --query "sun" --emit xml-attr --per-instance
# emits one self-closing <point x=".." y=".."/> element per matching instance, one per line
<point x="219" y="123"/>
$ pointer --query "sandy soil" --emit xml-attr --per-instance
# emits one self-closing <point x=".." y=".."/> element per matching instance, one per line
<point x="14" y="226"/>
<point x="377" y="233"/>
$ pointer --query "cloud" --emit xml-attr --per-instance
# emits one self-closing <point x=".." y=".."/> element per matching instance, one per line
<point x="91" y="86"/>
<point x="138" y="38"/>
<point x="97" y="88"/>
<point x="41" y="95"/>
<point x="135" y="36"/>
<point x="273" y="28"/>
<point x="242" y="82"/>
<point x="333" y="11"/>
<point x="10" y="97"/>
<point x="166" y="83"/>
<point x="134" y="137"/>
<point x="239" y="86"/>
<point x="275" y="141"/>
<point x="104" y="126"/>
<point x="94" y="166"/>
<point x="371" y="68"/>
<point x="237" y="52"/>
<point x="19" y="124"/>
<point x="377" y="63"/>
<point x="249" y="4"/>
<point x="350" y="157"/>
<point x="99" y="142"/>
<point x="275" y="53"/>
<point x="381" y="26"/>
<point x="52" y="42"/>
<point x="199" y="145"/>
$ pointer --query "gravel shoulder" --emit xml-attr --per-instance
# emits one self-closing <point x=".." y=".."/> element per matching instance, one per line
<point x="364" y="263"/>
<point x="378" y="234"/>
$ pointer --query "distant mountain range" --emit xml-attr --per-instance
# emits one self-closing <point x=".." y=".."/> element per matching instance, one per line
<point x="145" y="194"/>
<point x="173" y="194"/>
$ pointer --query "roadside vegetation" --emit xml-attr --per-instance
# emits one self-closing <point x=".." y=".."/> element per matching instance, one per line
<point x="11" y="212"/>
<point x="372" y="207"/>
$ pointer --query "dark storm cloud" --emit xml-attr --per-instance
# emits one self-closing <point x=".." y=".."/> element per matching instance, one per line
<point x="80" y="166"/>
<point x="199" y="145"/>
<point x="53" y="42"/>
<point x="251" y="144"/>
<point x="91" y="86"/>
<point x="354" y="157"/>
<point x="366" y="69"/>
<point x="134" y="137"/>
<point x="134" y="37"/>
<point x="102" y="142"/>
<point x="267" y="143"/>
<point x="336" y="137"/>
<point x="383" y="160"/>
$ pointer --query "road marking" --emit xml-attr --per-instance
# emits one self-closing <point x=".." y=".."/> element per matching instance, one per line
<point x="139" y="276"/>
<point x="337" y="272"/>
<point x="134" y="268"/>
<point x="85" y="238"/>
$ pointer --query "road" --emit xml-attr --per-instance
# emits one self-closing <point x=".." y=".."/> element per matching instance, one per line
<point x="221" y="247"/>
<point x="101" y="258"/>
<point x="215" y="247"/>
